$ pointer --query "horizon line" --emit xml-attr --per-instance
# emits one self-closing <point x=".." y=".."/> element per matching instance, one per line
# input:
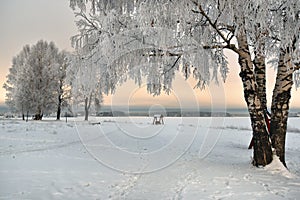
<point x="173" y="107"/>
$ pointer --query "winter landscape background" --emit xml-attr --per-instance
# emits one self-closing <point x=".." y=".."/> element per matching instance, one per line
<point x="129" y="158"/>
<point x="177" y="47"/>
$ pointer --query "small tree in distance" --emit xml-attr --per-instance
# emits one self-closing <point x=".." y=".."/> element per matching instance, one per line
<point x="63" y="90"/>
<point x="84" y="81"/>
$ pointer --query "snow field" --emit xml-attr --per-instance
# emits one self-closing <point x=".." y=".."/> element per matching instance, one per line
<point x="129" y="158"/>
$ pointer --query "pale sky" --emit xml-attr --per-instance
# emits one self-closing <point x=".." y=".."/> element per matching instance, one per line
<point x="27" y="21"/>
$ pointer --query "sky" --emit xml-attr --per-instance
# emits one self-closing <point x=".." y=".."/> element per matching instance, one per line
<point x="25" y="22"/>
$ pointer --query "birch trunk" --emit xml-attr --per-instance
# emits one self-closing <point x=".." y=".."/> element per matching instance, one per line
<point x="262" y="154"/>
<point x="86" y="109"/>
<point x="58" y="108"/>
<point x="59" y="104"/>
<point x="38" y="115"/>
<point x="280" y="106"/>
<point x="23" y="115"/>
<point x="260" y="77"/>
<point x="87" y="105"/>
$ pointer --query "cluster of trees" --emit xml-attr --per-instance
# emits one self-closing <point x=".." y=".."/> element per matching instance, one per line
<point x="122" y="39"/>
<point x="42" y="81"/>
<point x="36" y="80"/>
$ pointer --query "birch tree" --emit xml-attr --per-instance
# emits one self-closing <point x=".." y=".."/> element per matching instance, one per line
<point x="85" y="83"/>
<point x="63" y="89"/>
<point x="191" y="36"/>
<point x="287" y="35"/>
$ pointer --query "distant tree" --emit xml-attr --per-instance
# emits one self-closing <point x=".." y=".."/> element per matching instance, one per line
<point x="35" y="79"/>
<point x="63" y="90"/>
<point x="15" y="96"/>
<point x="98" y="101"/>
<point x="192" y="36"/>
<point x="85" y="84"/>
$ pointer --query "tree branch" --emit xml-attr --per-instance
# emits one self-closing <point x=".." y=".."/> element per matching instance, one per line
<point x="161" y="53"/>
<point x="91" y="24"/>
<point x="230" y="46"/>
<point x="220" y="13"/>
<point x="176" y="61"/>
<point x="213" y="25"/>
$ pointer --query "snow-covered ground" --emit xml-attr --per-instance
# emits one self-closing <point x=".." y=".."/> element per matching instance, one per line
<point x="129" y="158"/>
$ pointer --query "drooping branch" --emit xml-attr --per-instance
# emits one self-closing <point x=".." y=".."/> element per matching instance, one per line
<point x="176" y="61"/>
<point x="218" y="31"/>
<point x="160" y="53"/>
<point x="230" y="46"/>
<point x="89" y="22"/>
<point x="211" y="23"/>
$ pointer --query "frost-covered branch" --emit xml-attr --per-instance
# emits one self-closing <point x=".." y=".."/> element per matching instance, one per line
<point x="230" y="46"/>
<point x="86" y="19"/>
<point x="212" y="24"/>
<point x="172" y="67"/>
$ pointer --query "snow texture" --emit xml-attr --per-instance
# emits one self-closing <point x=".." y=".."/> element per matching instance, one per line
<point x="129" y="158"/>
